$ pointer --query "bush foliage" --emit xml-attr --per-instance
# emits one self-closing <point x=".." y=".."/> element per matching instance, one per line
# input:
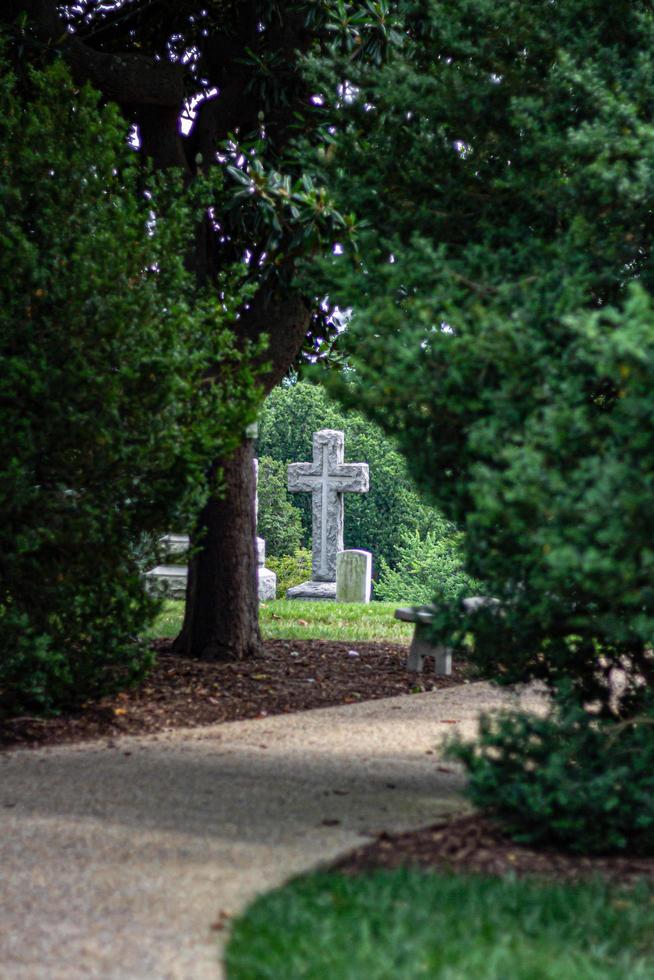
<point x="279" y="521"/>
<point x="509" y="275"/>
<point x="570" y="780"/>
<point x="106" y="425"/>
<point x="503" y="159"/>
<point x="290" y="569"/>
<point x="429" y="569"/>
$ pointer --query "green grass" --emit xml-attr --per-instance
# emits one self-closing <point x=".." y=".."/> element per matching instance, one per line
<point x="292" y="620"/>
<point x="405" y="925"/>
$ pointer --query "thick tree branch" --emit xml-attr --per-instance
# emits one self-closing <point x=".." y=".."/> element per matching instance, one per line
<point x="161" y="140"/>
<point x="128" y="79"/>
<point x="285" y="319"/>
<point x="220" y="115"/>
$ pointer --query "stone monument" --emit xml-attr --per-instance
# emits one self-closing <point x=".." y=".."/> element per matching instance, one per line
<point x="266" y="579"/>
<point x="171" y="579"/>
<point x="353" y="576"/>
<point x="327" y="478"/>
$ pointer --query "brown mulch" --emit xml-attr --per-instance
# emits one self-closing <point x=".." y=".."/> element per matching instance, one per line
<point x="475" y="844"/>
<point x="292" y="675"/>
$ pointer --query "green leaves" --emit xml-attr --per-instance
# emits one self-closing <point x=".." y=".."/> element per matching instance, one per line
<point x="501" y="159"/>
<point x="429" y="568"/>
<point x="569" y="780"/>
<point x="290" y="218"/>
<point x="108" y="420"/>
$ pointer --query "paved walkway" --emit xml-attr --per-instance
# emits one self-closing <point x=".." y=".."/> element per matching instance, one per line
<point x="116" y="858"/>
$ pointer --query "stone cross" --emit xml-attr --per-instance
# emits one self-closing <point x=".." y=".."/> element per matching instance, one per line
<point x="327" y="478"/>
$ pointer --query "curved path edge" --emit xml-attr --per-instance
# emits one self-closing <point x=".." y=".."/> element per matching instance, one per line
<point x="118" y="859"/>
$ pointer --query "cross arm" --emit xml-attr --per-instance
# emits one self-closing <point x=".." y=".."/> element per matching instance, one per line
<point x="351" y="478"/>
<point x="302" y="477"/>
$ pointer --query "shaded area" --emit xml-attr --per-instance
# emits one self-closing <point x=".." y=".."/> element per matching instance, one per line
<point x="476" y="844"/>
<point x="118" y="856"/>
<point x="292" y="675"/>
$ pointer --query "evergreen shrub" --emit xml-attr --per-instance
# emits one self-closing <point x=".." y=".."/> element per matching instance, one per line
<point x="429" y="569"/>
<point x="571" y="780"/>
<point x="279" y="521"/>
<point x="502" y="333"/>
<point x="290" y="570"/>
<point x="106" y="421"/>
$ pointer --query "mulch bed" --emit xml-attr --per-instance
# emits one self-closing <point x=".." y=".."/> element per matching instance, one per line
<point x="475" y="844"/>
<point x="292" y="675"/>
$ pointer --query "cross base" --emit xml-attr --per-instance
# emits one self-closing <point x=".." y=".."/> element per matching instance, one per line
<point x="317" y="591"/>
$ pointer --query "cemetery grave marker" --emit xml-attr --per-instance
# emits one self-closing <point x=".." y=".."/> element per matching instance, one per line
<point x="327" y="478"/>
<point x="353" y="576"/>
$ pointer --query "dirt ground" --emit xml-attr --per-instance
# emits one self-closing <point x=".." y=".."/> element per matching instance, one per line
<point x="292" y="675"/>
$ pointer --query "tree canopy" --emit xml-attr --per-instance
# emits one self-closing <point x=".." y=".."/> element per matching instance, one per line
<point x="216" y="88"/>
<point x="503" y="162"/>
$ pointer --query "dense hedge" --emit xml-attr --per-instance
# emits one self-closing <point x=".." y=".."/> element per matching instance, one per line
<point x="569" y="780"/>
<point x="502" y="332"/>
<point x="106" y="425"/>
<point x="430" y="569"/>
<point x="279" y="521"/>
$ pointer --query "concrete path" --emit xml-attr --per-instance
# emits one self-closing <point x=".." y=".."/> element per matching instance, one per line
<point x="117" y="857"/>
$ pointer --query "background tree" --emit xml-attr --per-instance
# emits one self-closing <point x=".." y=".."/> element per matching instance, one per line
<point x="503" y="161"/>
<point x="429" y="568"/>
<point x="279" y="521"/>
<point x="236" y="65"/>
<point x="106" y="423"/>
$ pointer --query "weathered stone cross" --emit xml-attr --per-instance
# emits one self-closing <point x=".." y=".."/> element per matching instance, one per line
<point x="327" y="478"/>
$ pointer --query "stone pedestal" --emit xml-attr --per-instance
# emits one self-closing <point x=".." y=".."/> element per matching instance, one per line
<point x="321" y="591"/>
<point x="175" y="544"/>
<point x="170" y="580"/>
<point x="353" y="576"/>
<point x="266" y="579"/>
<point x="167" y="580"/>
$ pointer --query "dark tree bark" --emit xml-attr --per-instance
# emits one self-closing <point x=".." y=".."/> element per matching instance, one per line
<point x="222" y="614"/>
<point x="221" y="620"/>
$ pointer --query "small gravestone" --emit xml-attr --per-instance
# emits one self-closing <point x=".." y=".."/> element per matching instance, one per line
<point x="327" y="478"/>
<point x="353" y="576"/>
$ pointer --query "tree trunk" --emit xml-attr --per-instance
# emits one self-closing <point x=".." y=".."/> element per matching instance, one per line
<point x="221" y="621"/>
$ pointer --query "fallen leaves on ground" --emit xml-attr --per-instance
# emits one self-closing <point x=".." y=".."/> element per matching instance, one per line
<point x="291" y="675"/>
<point x="476" y="844"/>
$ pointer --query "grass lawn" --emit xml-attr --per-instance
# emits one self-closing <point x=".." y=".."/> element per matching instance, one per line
<point x="293" y="620"/>
<point x="406" y="924"/>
